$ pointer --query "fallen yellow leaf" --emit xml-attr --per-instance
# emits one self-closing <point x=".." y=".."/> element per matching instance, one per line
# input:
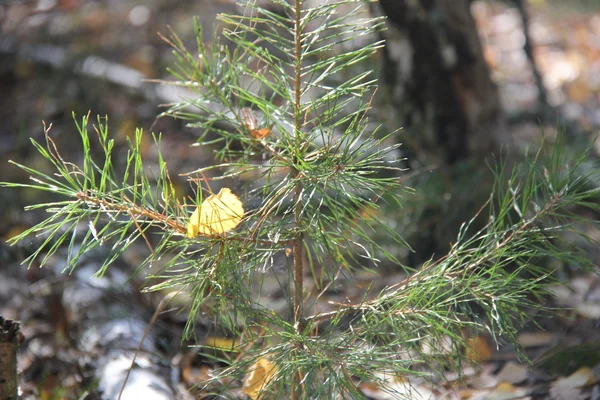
<point x="259" y="376"/>
<point x="217" y="214"/>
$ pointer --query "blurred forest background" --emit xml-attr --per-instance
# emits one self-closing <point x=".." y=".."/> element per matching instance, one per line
<point x="464" y="79"/>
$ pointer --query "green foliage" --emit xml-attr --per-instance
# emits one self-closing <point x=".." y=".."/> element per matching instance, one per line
<point x="323" y="170"/>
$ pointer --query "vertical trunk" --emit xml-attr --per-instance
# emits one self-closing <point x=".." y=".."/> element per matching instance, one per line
<point x="9" y="343"/>
<point x="438" y="81"/>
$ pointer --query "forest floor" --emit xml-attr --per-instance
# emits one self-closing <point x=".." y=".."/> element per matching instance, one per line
<point x="49" y="52"/>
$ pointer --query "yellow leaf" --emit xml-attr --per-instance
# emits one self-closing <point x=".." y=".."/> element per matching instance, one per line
<point x="258" y="377"/>
<point x="217" y="214"/>
<point x="221" y="343"/>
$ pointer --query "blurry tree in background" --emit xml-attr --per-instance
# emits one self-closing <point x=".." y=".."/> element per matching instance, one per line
<point x="438" y="81"/>
<point x="437" y="85"/>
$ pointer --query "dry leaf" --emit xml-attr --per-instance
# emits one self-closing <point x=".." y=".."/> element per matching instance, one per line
<point x="388" y="387"/>
<point x="577" y="379"/>
<point x="579" y="90"/>
<point x="260" y="133"/>
<point x="258" y="378"/>
<point x="249" y="120"/>
<point x="513" y="373"/>
<point x="193" y="375"/>
<point x="589" y="310"/>
<point x="216" y="215"/>
<point x="559" y="393"/>
<point x="479" y="349"/>
<point x="14" y="231"/>
<point x="506" y="391"/>
<point x="535" y="339"/>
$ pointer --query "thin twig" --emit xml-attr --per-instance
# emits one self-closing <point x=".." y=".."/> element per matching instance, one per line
<point x="159" y="309"/>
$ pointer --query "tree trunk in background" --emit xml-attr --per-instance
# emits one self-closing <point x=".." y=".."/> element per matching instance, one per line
<point x="438" y="82"/>
<point x="9" y="344"/>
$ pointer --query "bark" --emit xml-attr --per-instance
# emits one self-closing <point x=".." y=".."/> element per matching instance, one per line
<point x="10" y="338"/>
<point x="438" y="81"/>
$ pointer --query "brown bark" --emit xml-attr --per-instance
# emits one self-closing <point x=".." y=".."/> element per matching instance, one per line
<point x="10" y="338"/>
<point x="438" y="80"/>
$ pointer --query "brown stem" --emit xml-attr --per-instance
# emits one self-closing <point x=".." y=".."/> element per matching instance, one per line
<point x="299" y="322"/>
<point x="298" y="247"/>
<point x="298" y="241"/>
<point x="107" y="205"/>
